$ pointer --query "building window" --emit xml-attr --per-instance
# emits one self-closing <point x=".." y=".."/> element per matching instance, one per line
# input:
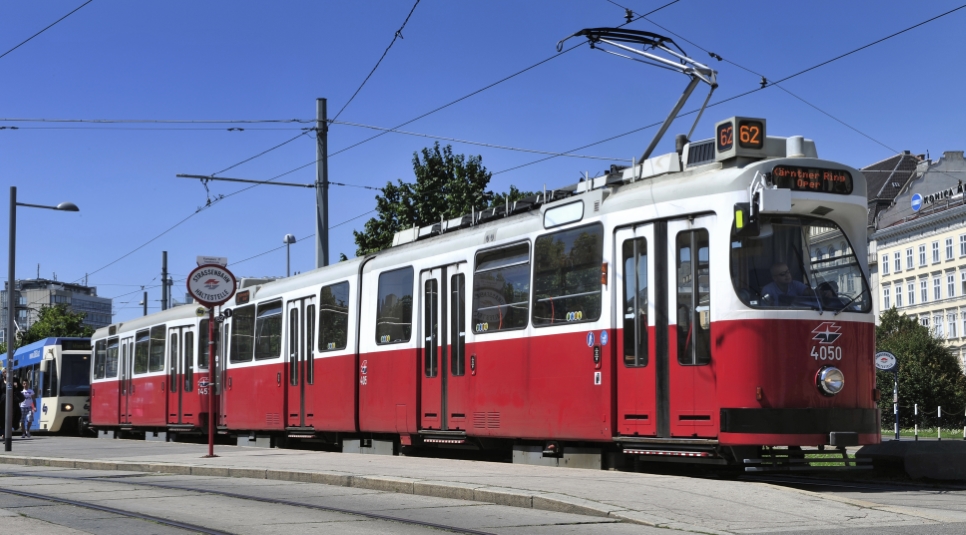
<point x="886" y="305"/>
<point x="898" y="290"/>
<point x="949" y="248"/>
<point x="951" y="321"/>
<point x="962" y="245"/>
<point x="922" y="255"/>
<point x="898" y="262"/>
<point x="909" y="263"/>
<point x="938" y="325"/>
<point x="963" y="273"/>
<point x="912" y="293"/>
<point x="963" y="316"/>
<point x="923" y="291"/>
<point x="935" y="252"/>
<point x="924" y="321"/>
<point x="936" y="289"/>
<point x="951" y="284"/>
<point x="885" y="264"/>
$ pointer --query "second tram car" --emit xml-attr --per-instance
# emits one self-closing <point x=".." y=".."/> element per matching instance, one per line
<point x="703" y="303"/>
<point x="59" y="373"/>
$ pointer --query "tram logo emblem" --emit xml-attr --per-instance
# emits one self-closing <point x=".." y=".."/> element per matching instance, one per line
<point x="365" y="367"/>
<point x="827" y="333"/>
<point x="203" y="383"/>
<point x="211" y="284"/>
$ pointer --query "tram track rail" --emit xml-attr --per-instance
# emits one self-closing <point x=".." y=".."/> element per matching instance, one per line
<point x="134" y="479"/>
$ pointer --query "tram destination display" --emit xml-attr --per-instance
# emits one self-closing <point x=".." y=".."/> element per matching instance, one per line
<point x="812" y="179"/>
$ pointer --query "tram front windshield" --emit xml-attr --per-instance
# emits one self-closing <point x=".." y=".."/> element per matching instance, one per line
<point x="798" y="263"/>
<point x="75" y="375"/>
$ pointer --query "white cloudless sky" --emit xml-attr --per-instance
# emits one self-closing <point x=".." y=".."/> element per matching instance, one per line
<point x="259" y="60"/>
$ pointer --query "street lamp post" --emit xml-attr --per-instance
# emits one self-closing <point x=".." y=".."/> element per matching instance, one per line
<point x="288" y="240"/>
<point x="11" y="337"/>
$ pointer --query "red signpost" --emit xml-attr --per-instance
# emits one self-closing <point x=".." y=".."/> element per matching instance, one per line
<point x="211" y="284"/>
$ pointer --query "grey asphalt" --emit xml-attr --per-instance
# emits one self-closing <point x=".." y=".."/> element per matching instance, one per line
<point x="664" y="501"/>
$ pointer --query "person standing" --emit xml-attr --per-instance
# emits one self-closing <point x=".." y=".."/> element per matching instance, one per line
<point x="17" y="400"/>
<point x="27" y="408"/>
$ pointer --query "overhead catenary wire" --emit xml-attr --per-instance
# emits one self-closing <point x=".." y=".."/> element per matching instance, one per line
<point x="397" y="35"/>
<point x="740" y="95"/>
<point x="49" y="26"/>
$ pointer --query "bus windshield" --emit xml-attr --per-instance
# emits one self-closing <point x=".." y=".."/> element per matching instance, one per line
<point x="75" y="379"/>
<point x="798" y="262"/>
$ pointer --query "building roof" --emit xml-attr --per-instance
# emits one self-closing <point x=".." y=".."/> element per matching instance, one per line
<point x="949" y="172"/>
<point x="886" y="179"/>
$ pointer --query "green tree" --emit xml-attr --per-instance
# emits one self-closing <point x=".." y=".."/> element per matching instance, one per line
<point x="929" y="374"/>
<point x="447" y="186"/>
<point x="55" y="321"/>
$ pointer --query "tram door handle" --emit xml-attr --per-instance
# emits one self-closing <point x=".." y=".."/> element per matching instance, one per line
<point x="278" y="378"/>
<point x="596" y="357"/>
<point x="473" y="364"/>
<point x="229" y="382"/>
<point x="162" y="386"/>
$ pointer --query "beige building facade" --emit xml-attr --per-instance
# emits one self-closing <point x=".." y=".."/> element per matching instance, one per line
<point x="919" y="251"/>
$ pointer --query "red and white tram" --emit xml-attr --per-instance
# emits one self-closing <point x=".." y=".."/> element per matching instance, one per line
<point x="698" y="303"/>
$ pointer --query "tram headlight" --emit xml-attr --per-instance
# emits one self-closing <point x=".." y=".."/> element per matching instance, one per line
<point x="830" y="380"/>
<point x="66" y="407"/>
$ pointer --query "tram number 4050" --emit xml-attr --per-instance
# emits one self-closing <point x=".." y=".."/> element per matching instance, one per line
<point x="827" y="353"/>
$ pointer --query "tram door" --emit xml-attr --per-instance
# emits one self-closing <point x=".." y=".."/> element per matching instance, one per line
<point x="181" y="366"/>
<point x="691" y="379"/>
<point x="442" y="369"/>
<point x="127" y="367"/>
<point x="638" y="363"/>
<point x="301" y="362"/>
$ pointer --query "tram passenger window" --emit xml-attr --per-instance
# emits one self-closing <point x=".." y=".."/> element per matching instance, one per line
<point x="100" y="356"/>
<point x="333" y="317"/>
<point x="635" y="302"/>
<point x="566" y="276"/>
<point x="142" y="341"/>
<point x="268" y="331"/>
<point x="457" y="324"/>
<point x="694" y="298"/>
<point x="51" y="382"/>
<point x="173" y="362"/>
<point x="189" y="360"/>
<point x="501" y="289"/>
<point x="242" y="334"/>
<point x="394" y="310"/>
<point x="293" y="347"/>
<point x="309" y="340"/>
<point x="156" y="359"/>
<point x="431" y="327"/>
<point x="203" y="345"/>
<point x="110" y="362"/>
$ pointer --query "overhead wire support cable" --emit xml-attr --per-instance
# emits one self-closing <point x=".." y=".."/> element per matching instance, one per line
<point x="397" y="35"/>
<point x="47" y="28"/>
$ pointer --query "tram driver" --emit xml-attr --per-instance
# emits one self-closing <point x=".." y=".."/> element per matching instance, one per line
<point x="783" y="288"/>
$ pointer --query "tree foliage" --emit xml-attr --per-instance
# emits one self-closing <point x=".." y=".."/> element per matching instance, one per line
<point x="447" y="186"/>
<point x="929" y="373"/>
<point x="55" y="321"/>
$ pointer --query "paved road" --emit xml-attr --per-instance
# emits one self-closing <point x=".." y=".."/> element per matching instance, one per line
<point x="156" y="496"/>
<point x="593" y="500"/>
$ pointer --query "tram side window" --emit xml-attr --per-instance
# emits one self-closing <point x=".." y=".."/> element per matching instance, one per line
<point x="694" y="298"/>
<point x="242" y="334"/>
<point x="333" y="317"/>
<point x="189" y="360"/>
<point x="156" y="362"/>
<point x="268" y="331"/>
<point x="142" y="341"/>
<point x="51" y="382"/>
<point x="635" y="302"/>
<point x="309" y="340"/>
<point x="566" y="276"/>
<point x="173" y="361"/>
<point x="501" y="289"/>
<point x="394" y="310"/>
<point x="110" y="363"/>
<point x="431" y="326"/>
<point x="203" y="344"/>
<point x="100" y="356"/>
<point x="458" y="324"/>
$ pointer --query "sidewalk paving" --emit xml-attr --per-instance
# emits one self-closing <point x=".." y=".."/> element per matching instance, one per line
<point x="675" y="502"/>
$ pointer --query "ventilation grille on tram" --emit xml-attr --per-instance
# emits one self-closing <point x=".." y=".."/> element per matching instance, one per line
<point x="486" y="420"/>
<point x="700" y="152"/>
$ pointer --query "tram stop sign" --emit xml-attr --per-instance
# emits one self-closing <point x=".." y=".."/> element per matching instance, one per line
<point x="211" y="284"/>
<point x="886" y="361"/>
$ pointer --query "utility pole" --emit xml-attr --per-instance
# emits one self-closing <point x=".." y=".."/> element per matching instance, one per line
<point x="322" y="184"/>
<point x="145" y="303"/>
<point x="164" y="280"/>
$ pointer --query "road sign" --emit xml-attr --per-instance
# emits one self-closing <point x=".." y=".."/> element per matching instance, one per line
<point x="211" y="284"/>
<point x="886" y="361"/>
<point x="220" y="260"/>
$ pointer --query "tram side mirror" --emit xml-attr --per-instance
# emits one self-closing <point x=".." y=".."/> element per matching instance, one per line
<point x="746" y="220"/>
<point x="44" y="366"/>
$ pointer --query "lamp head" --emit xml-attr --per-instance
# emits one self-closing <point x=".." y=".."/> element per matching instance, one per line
<point x="289" y="238"/>
<point x="68" y="207"/>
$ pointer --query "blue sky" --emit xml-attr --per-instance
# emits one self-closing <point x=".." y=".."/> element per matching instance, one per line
<point x="181" y="60"/>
